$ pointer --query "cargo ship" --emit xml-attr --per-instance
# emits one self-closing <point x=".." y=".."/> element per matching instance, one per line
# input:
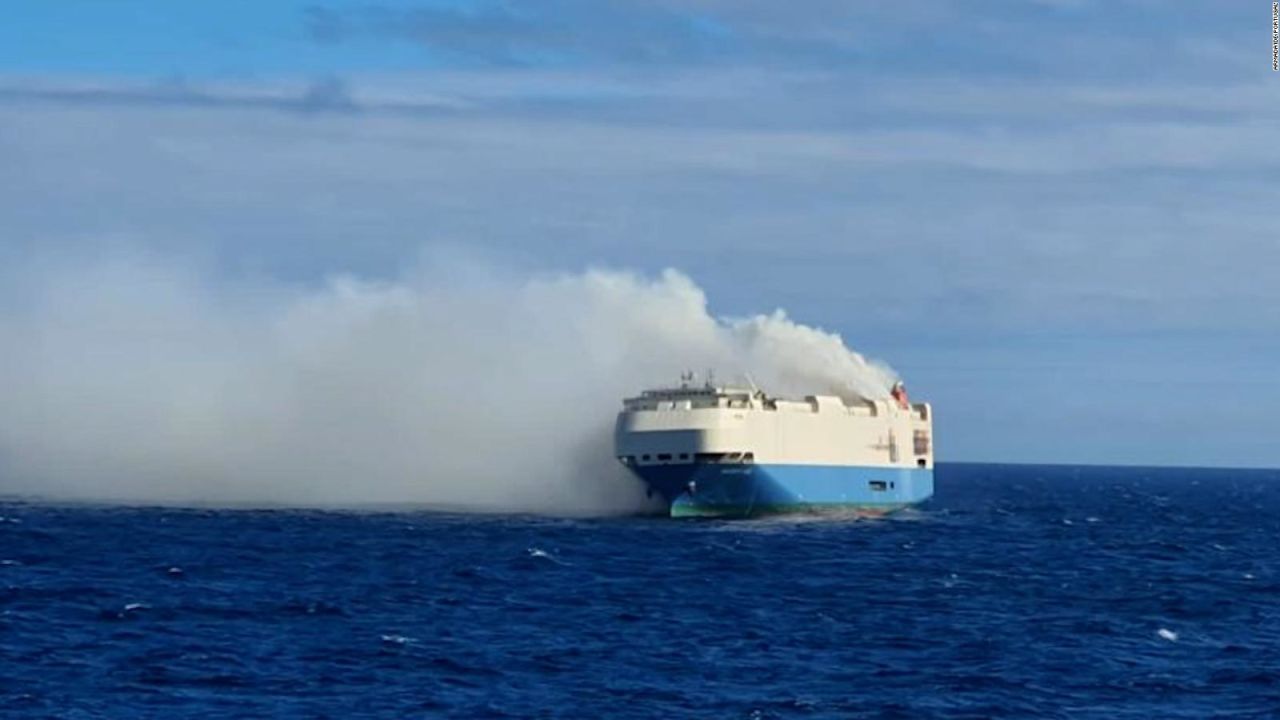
<point x="713" y="450"/>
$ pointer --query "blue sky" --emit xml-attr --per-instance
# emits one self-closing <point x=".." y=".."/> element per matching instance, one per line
<point x="1057" y="219"/>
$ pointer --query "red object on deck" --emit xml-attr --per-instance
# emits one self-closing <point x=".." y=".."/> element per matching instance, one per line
<point x="899" y="393"/>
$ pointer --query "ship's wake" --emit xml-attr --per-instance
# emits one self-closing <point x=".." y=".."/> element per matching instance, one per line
<point x="457" y="384"/>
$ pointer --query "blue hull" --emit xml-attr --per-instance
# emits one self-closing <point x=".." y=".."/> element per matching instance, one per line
<point x="730" y="490"/>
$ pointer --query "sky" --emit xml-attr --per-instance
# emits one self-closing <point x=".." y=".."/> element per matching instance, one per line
<point x="1056" y="219"/>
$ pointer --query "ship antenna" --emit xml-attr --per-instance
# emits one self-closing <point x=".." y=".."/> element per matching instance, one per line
<point x="755" y="390"/>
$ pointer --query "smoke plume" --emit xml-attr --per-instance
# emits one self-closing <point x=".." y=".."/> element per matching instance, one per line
<point x="455" y="386"/>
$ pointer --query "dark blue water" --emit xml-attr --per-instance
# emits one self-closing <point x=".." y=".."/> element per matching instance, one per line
<point x="1017" y="592"/>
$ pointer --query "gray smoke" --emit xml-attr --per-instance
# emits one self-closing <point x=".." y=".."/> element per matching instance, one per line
<point x="455" y="386"/>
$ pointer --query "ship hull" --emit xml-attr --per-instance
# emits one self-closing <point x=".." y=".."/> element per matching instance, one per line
<point x="747" y="490"/>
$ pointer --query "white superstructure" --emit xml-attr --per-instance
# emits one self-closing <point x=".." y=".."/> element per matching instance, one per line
<point x="734" y="424"/>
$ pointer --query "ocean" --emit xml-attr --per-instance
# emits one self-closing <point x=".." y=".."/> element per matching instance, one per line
<point x="1018" y="591"/>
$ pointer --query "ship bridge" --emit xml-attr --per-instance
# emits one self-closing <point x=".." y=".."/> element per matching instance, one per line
<point x="696" y="398"/>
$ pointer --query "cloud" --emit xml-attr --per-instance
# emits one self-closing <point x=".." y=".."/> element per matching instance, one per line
<point x="552" y="33"/>
<point x="323" y="94"/>
<point x="950" y="38"/>
<point x="966" y="214"/>
<point x="1087" y="214"/>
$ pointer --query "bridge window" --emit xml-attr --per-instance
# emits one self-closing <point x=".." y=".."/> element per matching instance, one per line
<point x="877" y="485"/>
<point x="921" y="442"/>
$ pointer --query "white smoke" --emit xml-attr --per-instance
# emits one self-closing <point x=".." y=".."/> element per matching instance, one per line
<point x="455" y="386"/>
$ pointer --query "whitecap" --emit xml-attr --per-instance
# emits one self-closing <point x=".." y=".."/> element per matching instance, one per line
<point x="540" y="554"/>
<point x="397" y="639"/>
<point x="136" y="606"/>
<point x="1167" y="634"/>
